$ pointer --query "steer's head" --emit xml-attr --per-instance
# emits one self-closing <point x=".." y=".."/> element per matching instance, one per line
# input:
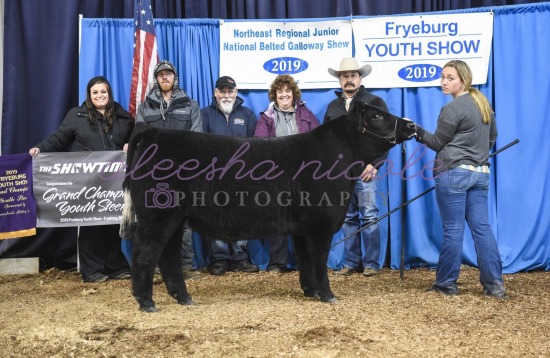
<point x="375" y="122"/>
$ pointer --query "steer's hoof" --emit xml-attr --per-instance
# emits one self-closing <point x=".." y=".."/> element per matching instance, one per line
<point x="329" y="300"/>
<point x="187" y="302"/>
<point x="148" y="309"/>
<point x="312" y="294"/>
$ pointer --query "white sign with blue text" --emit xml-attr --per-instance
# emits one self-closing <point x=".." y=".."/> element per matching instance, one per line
<point x="255" y="52"/>
<point x="410" y="51"/>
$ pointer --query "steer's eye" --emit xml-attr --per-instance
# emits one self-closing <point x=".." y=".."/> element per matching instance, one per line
<point x="378" y="117"/>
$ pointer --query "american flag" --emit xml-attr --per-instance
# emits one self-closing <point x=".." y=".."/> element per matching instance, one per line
<point x="145" y="54"/>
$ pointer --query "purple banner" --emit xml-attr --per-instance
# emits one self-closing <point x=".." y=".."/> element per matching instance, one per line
<point x="17" y="204"/>
<point x="79" y="188"/>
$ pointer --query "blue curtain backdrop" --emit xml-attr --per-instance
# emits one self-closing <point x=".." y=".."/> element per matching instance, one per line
<point x="191" y="45"/>
<point x="180" y="40"/>
<point x="518" y="86"/>
<point x="522" y="98"/>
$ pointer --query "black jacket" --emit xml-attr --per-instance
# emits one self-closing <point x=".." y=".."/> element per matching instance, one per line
<point x="76" y="134"/>
<point x="183" y="113"/>
<point x="337" y="107"/>
<point x="241" y="121"/>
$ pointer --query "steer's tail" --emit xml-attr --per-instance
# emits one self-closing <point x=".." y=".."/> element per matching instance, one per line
<point x="128" y="221"/>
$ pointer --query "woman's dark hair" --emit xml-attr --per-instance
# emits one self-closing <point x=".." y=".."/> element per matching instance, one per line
<point x="93" y="114"/>
<point x="279" y="83"/>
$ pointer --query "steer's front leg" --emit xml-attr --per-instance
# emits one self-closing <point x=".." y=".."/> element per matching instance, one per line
<point x="318" y="248"/>
<point x="304" y="267"/>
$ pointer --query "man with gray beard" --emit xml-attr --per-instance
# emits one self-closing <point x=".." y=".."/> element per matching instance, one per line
<point x="228" y="116"/>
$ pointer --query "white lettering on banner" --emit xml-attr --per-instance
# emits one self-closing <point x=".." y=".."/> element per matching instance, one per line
<point x="97" y="193"/>
<point x="73" y="189"/>
<point x="52" y="194"/>
<point x="85" y="167"/>
<point x="65" y="208"/>
<point x="108" y="202"/>
<point x="110" y="206"/>
<point x="410" y="51"/>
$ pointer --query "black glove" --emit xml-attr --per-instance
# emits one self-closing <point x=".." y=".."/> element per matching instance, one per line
<point x="419" y="133"/>
<point x="415" y="126"/>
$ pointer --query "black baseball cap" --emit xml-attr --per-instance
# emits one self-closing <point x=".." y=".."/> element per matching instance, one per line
<point x="225" y="81"/>
<point x="164" y="65"/>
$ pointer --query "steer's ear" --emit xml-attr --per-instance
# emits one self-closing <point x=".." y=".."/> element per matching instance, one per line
<point x="375" y="113"/>
<point x="358" y="108"/>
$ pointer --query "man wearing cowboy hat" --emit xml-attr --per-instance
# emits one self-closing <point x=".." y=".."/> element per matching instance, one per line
<point x="362" y="208"/>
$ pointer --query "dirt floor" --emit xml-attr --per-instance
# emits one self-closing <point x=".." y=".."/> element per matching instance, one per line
<point x="55" y="314"/>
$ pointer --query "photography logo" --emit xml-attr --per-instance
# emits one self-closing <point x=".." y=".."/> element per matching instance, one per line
<point x="161" y="197"/>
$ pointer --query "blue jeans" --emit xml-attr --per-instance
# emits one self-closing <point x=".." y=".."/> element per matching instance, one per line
<point x="362" y="210"/>
<point x="462" y="194"/>
<point x="227" y="252"/>
<point x="187" y="252"/>
<point x="278" y="251"/>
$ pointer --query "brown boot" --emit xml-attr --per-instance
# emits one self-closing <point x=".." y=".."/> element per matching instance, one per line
<point x="346" y="271"/>
<point x="191" y="274"/>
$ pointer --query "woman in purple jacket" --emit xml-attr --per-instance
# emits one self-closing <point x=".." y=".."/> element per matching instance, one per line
<point x="285" y="115"/>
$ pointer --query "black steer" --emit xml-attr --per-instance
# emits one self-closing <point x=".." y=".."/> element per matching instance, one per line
<point x="245" y="188"/>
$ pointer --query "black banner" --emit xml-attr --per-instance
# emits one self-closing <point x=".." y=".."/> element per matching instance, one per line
<point x="79" y="188"/>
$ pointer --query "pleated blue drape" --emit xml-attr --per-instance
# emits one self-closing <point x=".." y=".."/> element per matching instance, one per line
<point x="518" y="86"/>
<point x="191" y="45"/>
<point x="106" y="50"/>
<point x="522" y="105"/>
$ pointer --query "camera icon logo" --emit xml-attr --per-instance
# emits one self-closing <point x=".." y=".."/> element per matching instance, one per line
<point x="161" y="197"/>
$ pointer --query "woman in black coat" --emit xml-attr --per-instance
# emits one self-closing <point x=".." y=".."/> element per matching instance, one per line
<point x="99" y="124"/>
